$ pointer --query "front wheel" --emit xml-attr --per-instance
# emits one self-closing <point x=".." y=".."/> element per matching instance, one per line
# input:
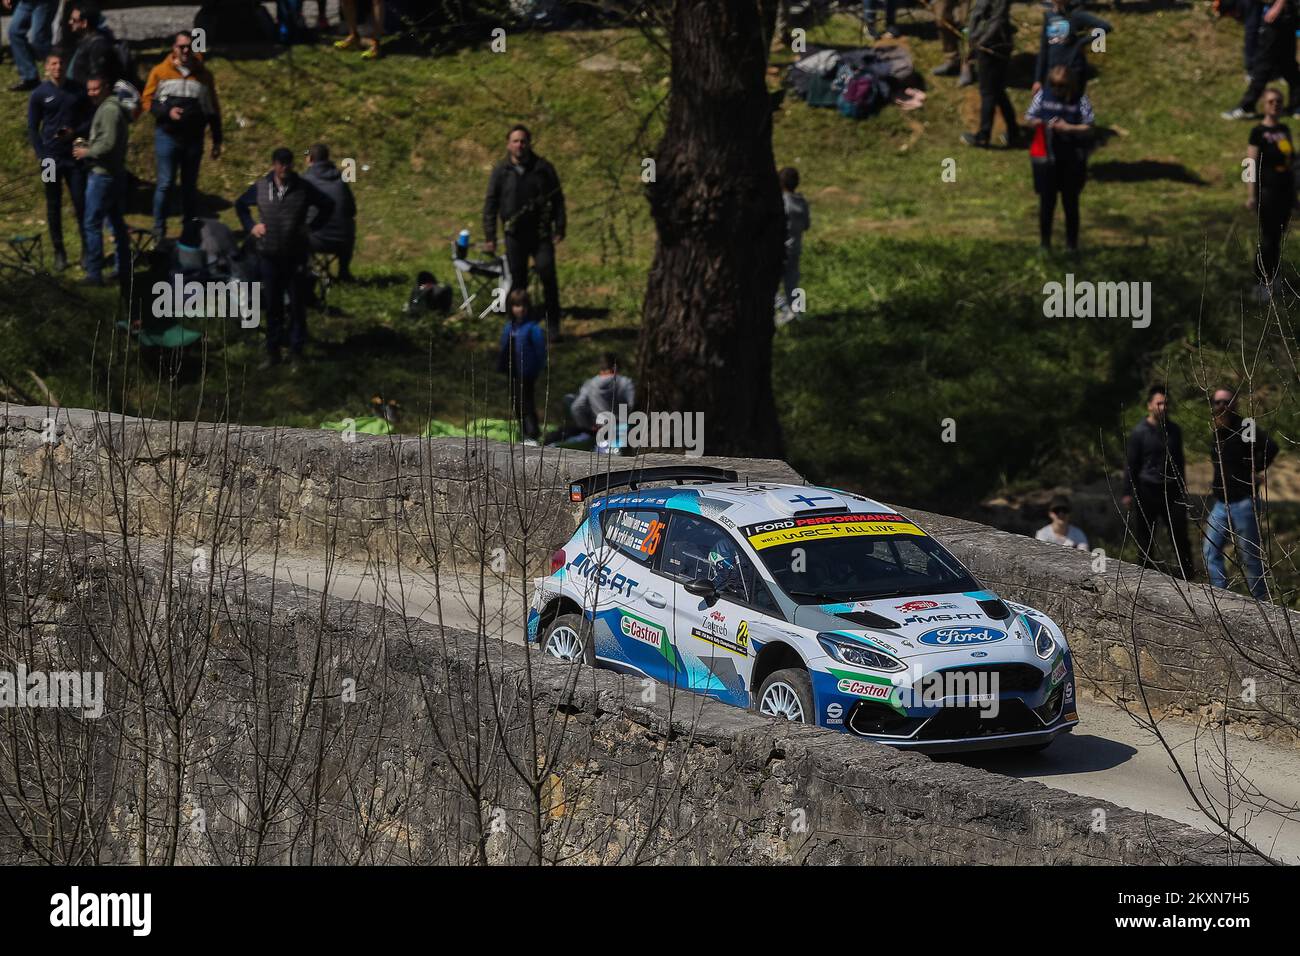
<point x="568" y="638"/>
<point x="787" y="693"/>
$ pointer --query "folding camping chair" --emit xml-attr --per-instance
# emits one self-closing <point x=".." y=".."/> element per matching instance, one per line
<point x="477" y="277"/>
<point x="24" y="253"/>
<point x="324" y="272"/>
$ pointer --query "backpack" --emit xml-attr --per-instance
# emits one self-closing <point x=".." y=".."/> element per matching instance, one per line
<point x="855" y="99"/>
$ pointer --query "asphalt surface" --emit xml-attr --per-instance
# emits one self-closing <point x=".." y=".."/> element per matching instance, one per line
<point x="1109" y="756"/>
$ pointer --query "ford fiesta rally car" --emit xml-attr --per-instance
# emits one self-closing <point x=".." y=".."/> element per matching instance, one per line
<point x="807" y="603"/>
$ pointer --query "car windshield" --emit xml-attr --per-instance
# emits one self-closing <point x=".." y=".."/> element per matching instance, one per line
<point x="857" y="559"/>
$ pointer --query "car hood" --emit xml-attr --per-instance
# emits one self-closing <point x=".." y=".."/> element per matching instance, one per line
<point x="975" y="621"/>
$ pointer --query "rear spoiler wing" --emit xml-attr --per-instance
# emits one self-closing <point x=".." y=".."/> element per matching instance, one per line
<point x="633" y="478"/>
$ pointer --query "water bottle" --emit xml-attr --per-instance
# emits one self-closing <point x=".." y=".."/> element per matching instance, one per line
<point x="462" y="244"/>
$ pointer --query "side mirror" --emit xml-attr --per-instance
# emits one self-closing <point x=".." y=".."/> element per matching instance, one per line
<point x="703" y="587"/>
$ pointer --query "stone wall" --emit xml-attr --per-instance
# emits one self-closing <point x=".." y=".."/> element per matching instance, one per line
<point x="251" y="723"/>
<point x="454" y="502"/>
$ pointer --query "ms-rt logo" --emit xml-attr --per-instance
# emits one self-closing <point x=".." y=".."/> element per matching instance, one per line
<point x="209" y="300"/>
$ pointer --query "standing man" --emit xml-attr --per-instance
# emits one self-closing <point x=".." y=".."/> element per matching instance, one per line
<point x="92" y="46"/>
<point x="107" y="184"/>
<point x="58" y="113"/>
<point x="339" y="235"/>
<point x="30" y="31"/>
<point x="1240" y="453"/>
<point x="1274" y="56"/>
<point x="1154" y="482"/>
<point x="990" y="34"/>
<point x="284" y="199"/>
<point x="524" y="190"/>
<point x="182" y="96"/>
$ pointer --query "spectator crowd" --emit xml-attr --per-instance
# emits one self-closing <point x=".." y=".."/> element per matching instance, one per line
<point x="83" y="103"/>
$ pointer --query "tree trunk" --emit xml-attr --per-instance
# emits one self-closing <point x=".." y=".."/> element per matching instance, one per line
<point x="706" y="333"/>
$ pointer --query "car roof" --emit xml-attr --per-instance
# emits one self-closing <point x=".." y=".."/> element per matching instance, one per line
<point x="746" y="502"/>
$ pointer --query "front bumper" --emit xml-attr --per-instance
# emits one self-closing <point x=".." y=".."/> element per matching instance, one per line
<point x="994" y="742"/>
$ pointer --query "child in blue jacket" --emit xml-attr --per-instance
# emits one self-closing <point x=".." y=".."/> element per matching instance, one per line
<point x="522" y="356"/>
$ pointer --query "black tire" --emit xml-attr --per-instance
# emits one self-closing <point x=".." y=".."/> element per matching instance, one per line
<point x="580" y="627"/>
<point x="795" y="679"/>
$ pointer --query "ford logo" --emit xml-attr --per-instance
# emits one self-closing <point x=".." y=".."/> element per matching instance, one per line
<point x="979" y="654"/>
<point x="961" y="636"/>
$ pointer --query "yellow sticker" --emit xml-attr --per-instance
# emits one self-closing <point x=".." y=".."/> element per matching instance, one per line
<point x="846" y="529"/>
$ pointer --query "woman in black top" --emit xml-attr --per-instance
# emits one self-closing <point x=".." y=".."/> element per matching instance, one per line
<point x="1271" y="191"/>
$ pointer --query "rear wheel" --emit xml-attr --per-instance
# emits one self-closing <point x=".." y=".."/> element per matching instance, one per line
<point x="568" y="638"/>
<point x="787" y="693"/>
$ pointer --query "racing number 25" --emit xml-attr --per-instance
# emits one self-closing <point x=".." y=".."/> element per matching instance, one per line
<point x="650" y="543"/>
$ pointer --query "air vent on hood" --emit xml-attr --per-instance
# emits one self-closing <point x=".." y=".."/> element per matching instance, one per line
<point x="867" y="619"/>
<point x="995" y="609"/>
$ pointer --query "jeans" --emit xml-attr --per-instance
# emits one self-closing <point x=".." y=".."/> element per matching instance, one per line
<point x="72" y="174"/>
<point x="106" y="199"/>
<point x="30" y="32"/>
<point x="869" y="8"/>
<point x="288" y="14"/>
<point x="175" y="156"/>
<point x="542" y="252"/>
<point x="790" y="273"/>
<point x="1237" y="520"/>
<point x="281" y="275"/>
<point x="993" y="95"/>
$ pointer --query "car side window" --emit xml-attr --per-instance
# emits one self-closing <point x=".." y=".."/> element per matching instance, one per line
<point x="636" y="534"/>
<point x="697" y="548"/>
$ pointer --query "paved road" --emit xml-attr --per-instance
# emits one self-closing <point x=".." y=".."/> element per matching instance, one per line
<point x="1108" y="756"/>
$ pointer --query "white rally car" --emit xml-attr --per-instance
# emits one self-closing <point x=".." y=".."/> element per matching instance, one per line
<point x="807" y="603"/>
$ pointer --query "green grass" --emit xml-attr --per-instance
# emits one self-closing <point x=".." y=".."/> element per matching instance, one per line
<point x="924" y="296"/>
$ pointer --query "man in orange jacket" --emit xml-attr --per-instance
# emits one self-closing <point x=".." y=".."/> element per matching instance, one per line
<point x="182" y="96"/>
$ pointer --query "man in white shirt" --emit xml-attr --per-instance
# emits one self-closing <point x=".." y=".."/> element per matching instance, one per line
<point x="1060" y="531"/>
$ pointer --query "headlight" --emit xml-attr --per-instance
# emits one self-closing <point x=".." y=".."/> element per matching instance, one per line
<point x="851" y="652"/>
<point x="1044" y="643"/>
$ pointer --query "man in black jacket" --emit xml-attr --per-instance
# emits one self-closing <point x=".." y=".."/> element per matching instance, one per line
<point x="284" y="200"/>
<point x="1154" y="482"/>
<point x="57" y="113"/>
<point x="339" y="234"/>
<point x="91" y="46"/>
<point x="524" y="190"/>
<point x="1240" y="453"/>
<point x="989" y="34"/>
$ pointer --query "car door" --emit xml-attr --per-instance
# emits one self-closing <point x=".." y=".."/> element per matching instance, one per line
<point x="633" y="620"/>
<point x="713" y="634"/>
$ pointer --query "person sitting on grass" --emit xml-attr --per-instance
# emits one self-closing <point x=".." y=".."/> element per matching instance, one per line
<point x="597" y="401"/>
